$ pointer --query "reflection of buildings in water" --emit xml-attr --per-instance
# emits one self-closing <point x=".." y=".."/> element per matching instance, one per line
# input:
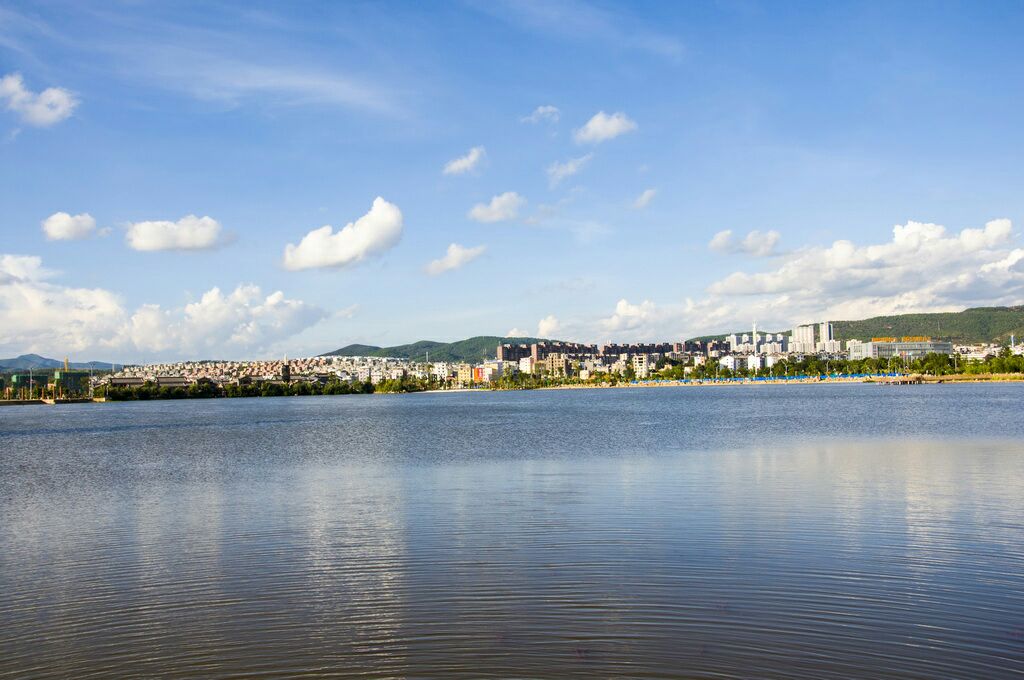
<point x="933" y="473"/>
<point x="918" y="497"/>
<point x="353" y="525"/>
<point x="178" y="536"/>
<point x="960" y="494"/>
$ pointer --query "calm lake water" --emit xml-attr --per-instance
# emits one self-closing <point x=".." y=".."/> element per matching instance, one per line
<point x="839" y="531"/>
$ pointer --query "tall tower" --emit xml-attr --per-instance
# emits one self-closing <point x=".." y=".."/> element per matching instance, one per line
<point x="754" y="337"/>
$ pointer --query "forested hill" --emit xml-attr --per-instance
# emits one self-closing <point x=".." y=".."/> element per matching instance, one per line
<point x="471" y="349"/>
<point x="34" y="362"/>
<point x="979" y="324"/>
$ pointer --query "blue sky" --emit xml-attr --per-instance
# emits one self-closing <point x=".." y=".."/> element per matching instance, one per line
<point x="819" y="127"/>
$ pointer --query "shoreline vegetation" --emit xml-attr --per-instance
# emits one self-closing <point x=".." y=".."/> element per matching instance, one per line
<point x="153" y="393"/>
<point x="933" y="368"/>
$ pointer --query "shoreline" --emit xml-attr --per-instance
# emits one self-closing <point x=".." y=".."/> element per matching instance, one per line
<point x="959" y="378"/>
<point x="871" y="380"/>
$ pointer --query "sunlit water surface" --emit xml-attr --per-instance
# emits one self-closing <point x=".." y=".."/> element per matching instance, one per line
<point x="793" y="531"/>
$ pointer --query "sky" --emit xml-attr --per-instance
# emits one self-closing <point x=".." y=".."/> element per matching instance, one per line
<point x="217" y="180"/>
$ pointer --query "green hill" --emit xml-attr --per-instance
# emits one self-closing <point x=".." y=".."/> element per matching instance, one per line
<point x="979" y="324"/>
<point x="34" y="362"/>
<point x="471" y="349"/>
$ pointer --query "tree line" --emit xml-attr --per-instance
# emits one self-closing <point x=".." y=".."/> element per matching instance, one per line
<point x="210" y="390"/>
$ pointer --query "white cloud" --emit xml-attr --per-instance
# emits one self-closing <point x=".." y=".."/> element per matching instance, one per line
<point x="347" y="312"/>
<point x="542" y="113"/>
<point x="188" y="233"/>
<point x="22" y="268"/>
<point x="923" y="268"/>
<point x="603" y="127"/>
<point x="628" y="316"/>
<point x="559" y="171"/>
<point x="501" y="208"/>
<point x="61" y="226"/>
<point x="39" y="315"/>
<point x="455" y="257"/>
<point x="464" y="164"/>
<point x="242" y="319"/>
<point x="756" y="243"/>
<point x="372" y="234"/>
<point x="921" y="259"/>
<point x="548" y="326"/>
<point x="44" y="109"/>
<point x="516" y="333"/>
<point x="644" y="199"/>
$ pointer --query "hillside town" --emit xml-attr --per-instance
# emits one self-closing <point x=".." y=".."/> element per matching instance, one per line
<point x="734" y="354"/>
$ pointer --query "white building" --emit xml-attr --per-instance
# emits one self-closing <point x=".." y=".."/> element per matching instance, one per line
<point x="642" y="365"/>
<point x="802" y="340"/>
<point x="826" y="340"/>
<point x="441" y="370"/>
<point x="731" y="362"/>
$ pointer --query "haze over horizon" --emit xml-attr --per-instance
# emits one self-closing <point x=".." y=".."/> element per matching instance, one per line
<point x="185" y="181"/>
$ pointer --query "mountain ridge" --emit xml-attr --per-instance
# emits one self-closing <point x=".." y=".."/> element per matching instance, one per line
<point x="27" y="362"/>
<point x="972" y="325"/>
<point x="470" y="349"/>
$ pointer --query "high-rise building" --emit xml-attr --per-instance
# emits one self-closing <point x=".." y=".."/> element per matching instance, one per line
<point x="802" y="340"/>
<point x="509" y="352"/>
<point x="826" y="340"/>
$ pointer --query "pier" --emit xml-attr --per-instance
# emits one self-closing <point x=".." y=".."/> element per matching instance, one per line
<point x="902" y="380"/>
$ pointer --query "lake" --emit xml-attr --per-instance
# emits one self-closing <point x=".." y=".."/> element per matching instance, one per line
<point x="795" y="531"/>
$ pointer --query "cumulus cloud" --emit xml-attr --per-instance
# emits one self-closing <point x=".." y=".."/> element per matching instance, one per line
<point x="922" y="268"/>
<point x="756" y="243"/>
<point x="40" y="315"/>
<point x="603" y="127"/>
<point x="455" y="257"/>
<point x="921" y="259"/>
<point x="516" y="333"/>
<point x="644" y="199"/>
<point x="374" y="233"/>
<point x="559" y="171"/>
<point x="61" y="226"/>
<point x="548" y="326"/>
<point x="42" y="109"/>
<point x="543" y="113"/>
<point x="243" y="319"/>
<point x="464" y="164"/>
<point x="501" y="208"/>
<point x="629" y="316"/>
<point x="37" y="315"/>
<point x="188" y="233"/>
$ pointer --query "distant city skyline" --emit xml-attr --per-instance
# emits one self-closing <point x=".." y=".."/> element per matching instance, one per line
<point x="235" y="181"/>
